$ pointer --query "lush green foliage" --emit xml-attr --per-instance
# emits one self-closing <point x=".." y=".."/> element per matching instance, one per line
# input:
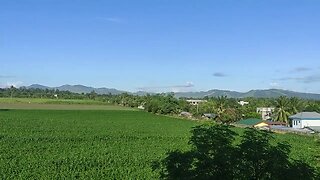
<point x="215" y="155"/>
<point x="282" y="105"/>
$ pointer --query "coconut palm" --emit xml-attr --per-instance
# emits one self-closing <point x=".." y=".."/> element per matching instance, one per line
<point x="282" y="113"/>
<point x="295" y="105"/>
<point x="221" y="106"/>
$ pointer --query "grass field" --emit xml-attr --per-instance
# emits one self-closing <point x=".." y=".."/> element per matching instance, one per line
<point x="37" y="144"/>
<point x="57" y="104"/>
<point x="99" y="144"/>
<point x="49" y="101"/>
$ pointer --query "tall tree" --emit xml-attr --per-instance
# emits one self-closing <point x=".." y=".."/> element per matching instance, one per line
<point x="295" y="105"/>
<point x="221" y="106"/>
<point x="282" y="113"/>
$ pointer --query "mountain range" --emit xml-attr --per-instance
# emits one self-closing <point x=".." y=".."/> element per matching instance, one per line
<point x="268" y="93"/>
<point x="78" y="89"/>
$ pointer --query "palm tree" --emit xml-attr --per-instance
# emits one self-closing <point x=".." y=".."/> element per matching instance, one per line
<point x="295" y="105"/>
<point x="282" y="113"/>
<point x="221" y="106"/>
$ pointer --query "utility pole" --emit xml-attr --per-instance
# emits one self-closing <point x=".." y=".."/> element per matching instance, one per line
<point x="11" y="91"/>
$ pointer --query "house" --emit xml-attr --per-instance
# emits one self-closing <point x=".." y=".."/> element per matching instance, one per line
<point x="276" y="123"/>
<point x="266" y="112"/>
<point x="195" y="102"/>
<point x="249" y="122"/>
<point x="261" y="124"/>
<point x="209" y="115"/>
<point x="242" y="103"/>
<point x="305" y="119"/>
<point x="258" y="123"/>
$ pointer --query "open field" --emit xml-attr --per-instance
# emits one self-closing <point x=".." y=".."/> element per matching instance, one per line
<point x="62" y="107"/>
<point x="57" y="104"/>
<point x="49" y="101"/>
<point x="50" y="144"/>
<point x="99" y="144"/>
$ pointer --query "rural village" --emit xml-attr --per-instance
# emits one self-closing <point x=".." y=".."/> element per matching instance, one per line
<point x="160" y="89"/>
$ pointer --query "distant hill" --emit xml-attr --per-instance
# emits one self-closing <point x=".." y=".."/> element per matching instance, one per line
<point x="38" y="86"/>
<point x="268" y="93"/>
<point x="210" y="93"/>
<point x="78" y="89"/>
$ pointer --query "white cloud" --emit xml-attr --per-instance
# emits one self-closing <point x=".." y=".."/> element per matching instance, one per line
<point x="219" y="74"/>
<point x="15" y="84"/>
<point x="274" y="85"/>
<point x="300" y="69"/>
<point x="173" y="88"/>
<point x="6" y="77"/>
<point x="305" y="79"/>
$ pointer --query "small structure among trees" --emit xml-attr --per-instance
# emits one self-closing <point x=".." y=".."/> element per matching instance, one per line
<point x="266" y="112"/>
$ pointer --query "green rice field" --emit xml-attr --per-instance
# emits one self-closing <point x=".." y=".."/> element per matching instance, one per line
<point x="48" y="101"/>
<point x="57" y="104"/>
<point x="100" y="144"/>
<point x="47" y="144"/>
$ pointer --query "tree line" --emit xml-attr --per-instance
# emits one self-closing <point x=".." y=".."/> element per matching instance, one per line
<point x="227" y="110"/>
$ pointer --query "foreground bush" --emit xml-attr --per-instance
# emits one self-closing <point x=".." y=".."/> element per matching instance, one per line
<point x="214" y="155"/>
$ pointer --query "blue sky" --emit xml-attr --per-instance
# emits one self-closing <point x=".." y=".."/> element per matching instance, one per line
<point x="162" y="45"/>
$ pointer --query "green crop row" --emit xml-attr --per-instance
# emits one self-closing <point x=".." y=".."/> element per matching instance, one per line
<point x="57" y="144"/>
<point x="98" y="144"/>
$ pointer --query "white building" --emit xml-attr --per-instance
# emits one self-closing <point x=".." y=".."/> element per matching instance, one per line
<point x="242" y="103"/>
<point x="266" y="112"/>
<point x="305" y="119"/>
<point x="195" y="102"/>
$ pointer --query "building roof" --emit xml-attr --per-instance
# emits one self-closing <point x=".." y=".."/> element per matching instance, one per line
<point x="210" y="115"/>
<point x="275" y="123"/>
<point x="315" y="128"/>
<point x="250" y="122"/>
<point x="196" y="100"/>
<point x="306" y="116"/>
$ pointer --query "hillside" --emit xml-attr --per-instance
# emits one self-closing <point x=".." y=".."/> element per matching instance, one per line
<point x="78" y="89"/>
<point x="269" y="93"/>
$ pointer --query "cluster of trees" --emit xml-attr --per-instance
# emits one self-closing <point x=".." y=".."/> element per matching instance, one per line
<point x="226" y="109"/>
<point x="13" y="92"/>
<point x="215" y="154"/>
